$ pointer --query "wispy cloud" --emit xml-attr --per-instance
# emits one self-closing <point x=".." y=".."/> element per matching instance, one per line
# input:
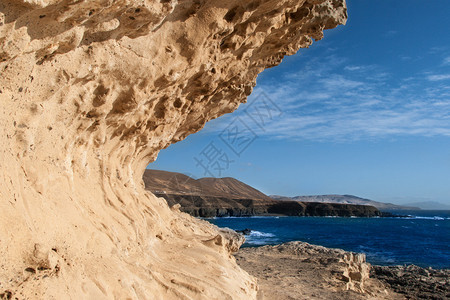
<point x="391" y="33"/>
<point x="438" y="77"/>
<point x="446" y="60"/>
<point x="353" y="68"/>
<point x="339" y="82"/>
<point x="438" y="49"/>
<point x="405" y="57"/>
<point x="332" y="100"/>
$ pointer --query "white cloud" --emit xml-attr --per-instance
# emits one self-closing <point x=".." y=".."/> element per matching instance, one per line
<point x="391" y="33"/>
<point x="352" y="68"/>
<point x="438" y="77"/>
<point x="446" y="60"/>
<point x="322" y="102"/>
<point x="339" y="82"/>
<point x="438" y="49"/>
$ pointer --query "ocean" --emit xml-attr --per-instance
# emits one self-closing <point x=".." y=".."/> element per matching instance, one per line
<point x="422" y="239"/>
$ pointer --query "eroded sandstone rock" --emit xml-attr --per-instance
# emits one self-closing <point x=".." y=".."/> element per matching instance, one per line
<point x="90" y="91"/>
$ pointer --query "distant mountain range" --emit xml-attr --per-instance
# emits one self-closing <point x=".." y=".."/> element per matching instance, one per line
<point x="429" y="205"/>
<point x="210" y="197"/>
<point x="165" y="182"/>
<point x="346" y="199"/>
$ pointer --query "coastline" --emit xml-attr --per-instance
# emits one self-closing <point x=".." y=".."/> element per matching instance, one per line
<point x="298" y="270"/>
<point x="386" y="241"/>
<point x="213" y="206"/>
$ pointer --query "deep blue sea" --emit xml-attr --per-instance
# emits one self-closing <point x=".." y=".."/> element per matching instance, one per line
<point x="422" y="239"/>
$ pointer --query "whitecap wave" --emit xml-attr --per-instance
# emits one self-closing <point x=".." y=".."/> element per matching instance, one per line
<point x="255" y="233"/>
<point x="437" y="218"/>
<point x="257" y="238"/>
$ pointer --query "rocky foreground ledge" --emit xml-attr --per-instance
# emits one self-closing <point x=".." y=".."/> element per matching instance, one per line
<point x="298" y="270"/>
<point x="415" y="282"/>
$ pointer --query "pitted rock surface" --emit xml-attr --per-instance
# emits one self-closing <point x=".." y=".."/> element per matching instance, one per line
<point x="90" y="92"/>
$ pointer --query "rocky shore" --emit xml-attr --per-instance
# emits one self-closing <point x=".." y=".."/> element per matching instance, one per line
<point x="298" y="270"/>
<point x="415" y="282"/>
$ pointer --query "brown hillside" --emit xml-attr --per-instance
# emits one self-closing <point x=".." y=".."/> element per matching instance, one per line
<point x="176" y="183"/>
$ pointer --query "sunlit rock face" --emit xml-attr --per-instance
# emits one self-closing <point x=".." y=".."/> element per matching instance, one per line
<point x="90" y="92"/>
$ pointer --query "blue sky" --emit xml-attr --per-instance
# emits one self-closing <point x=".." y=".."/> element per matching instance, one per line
<point x="365" y="111"/>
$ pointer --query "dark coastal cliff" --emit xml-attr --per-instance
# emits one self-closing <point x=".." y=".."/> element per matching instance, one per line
<point x="207" y="206"/>
<point x="221" y="197"/>
<point x="293" y="208"/>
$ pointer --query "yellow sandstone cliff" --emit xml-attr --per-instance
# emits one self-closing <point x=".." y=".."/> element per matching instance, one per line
<point x="90" y="91"/>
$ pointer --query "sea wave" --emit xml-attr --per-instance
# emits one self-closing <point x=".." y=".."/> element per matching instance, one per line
<point x="255" y="233"/>
<point x="437" y="218"/>
<point x="260" y="238"/>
